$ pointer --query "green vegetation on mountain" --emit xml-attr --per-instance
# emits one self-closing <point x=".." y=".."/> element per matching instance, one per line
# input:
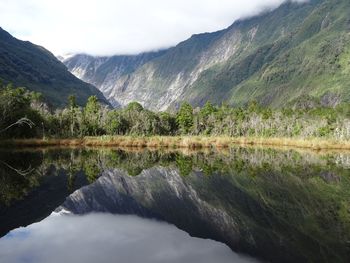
<point x="308" y="55"/>
<point x="27" y="65"/>
<point x="297" y="53"/>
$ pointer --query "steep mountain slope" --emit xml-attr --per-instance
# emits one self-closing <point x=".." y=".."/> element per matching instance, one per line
<point x="103" y="72"/>
<point x="313" y="60"/>
<point x="276" y="58"/>
<point x="25" y="64"/>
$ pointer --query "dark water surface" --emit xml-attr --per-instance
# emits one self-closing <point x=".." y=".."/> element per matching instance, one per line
<point x="112" y="205"/>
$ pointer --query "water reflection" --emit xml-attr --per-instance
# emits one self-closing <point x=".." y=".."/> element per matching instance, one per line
<point x="107" y="238"/>
<point x="34" y="183"/>
<point x="278" y="205"/>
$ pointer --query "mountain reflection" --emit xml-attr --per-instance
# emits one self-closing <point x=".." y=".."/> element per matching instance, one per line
<point x="277" y="205"/>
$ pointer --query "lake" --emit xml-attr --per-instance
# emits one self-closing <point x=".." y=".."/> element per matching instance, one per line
<point x="240" y="204"/>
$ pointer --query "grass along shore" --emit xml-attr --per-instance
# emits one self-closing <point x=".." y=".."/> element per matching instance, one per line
<point x="191" y="142"/>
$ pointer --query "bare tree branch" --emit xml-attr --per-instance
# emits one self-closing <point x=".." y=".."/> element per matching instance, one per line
<point x="20" y="122"/>
<point x="25" y="172"/>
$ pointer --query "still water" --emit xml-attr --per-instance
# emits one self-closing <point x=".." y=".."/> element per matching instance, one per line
<point x="233" y="205"/>
<point x="109" y="238"/>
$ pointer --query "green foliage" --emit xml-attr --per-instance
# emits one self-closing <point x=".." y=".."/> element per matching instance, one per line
<point x="184" y="164"/>
<point x="15" y="104"/>
<point x="72" y="108"/>
<point x="168" y="124"/>
<point x="343" y="109"/>
<point x="92" y="171"/>
<point x="72" y="101"/>
<point x="207" y="109"/>
<point x="134" y="106"/>
<point x="325" y="131"/>
<point x="184" y="118"/>
<point x="94" y="119"/>
<point x="253" y="106"/>
<point x="116" y="124"/>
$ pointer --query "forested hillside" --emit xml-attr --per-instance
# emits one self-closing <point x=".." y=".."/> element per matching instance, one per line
<point x="25" y="64"/>
<point x="297" y="53"/>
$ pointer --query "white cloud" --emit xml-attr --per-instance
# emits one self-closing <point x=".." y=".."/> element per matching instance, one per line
<point x="105" y="27"/>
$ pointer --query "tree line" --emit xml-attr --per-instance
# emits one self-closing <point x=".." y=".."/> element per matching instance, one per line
<point x="25" y="115"/>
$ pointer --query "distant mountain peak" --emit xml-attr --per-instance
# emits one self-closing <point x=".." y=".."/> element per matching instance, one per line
<point x="64" y="57"/>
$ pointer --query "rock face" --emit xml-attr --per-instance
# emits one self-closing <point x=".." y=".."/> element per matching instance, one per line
<point x="25" y="64"/>
<point x="278" y="57"/>
<point x="104" y="72"/>
<point x="156" y="80"/>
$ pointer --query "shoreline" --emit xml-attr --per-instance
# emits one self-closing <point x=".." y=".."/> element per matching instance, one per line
<point x="174" y="142"/>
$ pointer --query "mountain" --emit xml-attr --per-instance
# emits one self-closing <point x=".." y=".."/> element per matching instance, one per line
<point x="25" y="64"/>
<point x="103" y="72"/>
<point x="297" y="51"/>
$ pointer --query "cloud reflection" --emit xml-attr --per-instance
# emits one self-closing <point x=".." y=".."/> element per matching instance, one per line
<point x="109" y="238"/>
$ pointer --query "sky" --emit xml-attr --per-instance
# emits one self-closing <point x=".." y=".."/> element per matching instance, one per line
<point x="109" y="27"/>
